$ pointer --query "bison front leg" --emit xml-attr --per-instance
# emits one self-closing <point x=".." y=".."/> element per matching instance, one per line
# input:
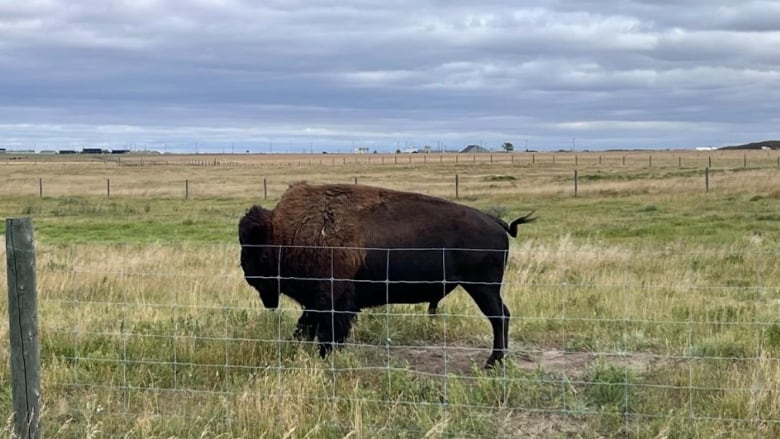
<point x="306" y="328"/>
<point x="334" y="318"/>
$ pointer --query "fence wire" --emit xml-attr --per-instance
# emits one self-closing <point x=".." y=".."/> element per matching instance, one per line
<point x="580" y="353"/>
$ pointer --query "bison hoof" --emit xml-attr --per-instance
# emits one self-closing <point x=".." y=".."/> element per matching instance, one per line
<point x="493" y="361"/>
<point x="325" y="349"/>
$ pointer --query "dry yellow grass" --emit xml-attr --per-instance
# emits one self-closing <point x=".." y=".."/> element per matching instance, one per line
<point x="541" y="174"/>
<point x="644" y="285"/>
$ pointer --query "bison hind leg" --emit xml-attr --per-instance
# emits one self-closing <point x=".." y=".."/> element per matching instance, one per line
<point x="488" y="299"/>
<point x="433" y="305"/>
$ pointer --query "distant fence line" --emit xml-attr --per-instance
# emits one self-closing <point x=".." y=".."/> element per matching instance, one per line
<point x="641" y="159"/>
<point x="457" y="185"/>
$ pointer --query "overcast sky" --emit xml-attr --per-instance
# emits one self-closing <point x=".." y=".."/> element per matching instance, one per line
<point x="300" y="75"/>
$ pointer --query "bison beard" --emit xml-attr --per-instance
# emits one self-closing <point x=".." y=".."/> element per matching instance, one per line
<point x="337" y="249"/>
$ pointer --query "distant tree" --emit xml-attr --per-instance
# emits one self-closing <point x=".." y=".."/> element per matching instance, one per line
<point x="508" y="147"/>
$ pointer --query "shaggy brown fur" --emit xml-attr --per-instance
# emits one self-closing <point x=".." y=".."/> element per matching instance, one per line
<point x="330" y="247"/>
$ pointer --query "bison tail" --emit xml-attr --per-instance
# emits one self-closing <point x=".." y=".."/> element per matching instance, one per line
<point x="512" y="229"/>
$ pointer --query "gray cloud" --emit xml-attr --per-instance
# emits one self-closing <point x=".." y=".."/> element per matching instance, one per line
<point x="642" y="73"/>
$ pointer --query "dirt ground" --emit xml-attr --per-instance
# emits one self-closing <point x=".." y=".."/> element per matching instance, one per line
<point x="460" y="360"/>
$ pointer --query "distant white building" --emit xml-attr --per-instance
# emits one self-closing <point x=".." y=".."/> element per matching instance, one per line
<point x="410" y="150"/>
<point x="360" y="150"/>
<point x="705" y="148"/>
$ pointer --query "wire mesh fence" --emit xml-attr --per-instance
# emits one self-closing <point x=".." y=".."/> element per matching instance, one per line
<point x="610" y="341"/>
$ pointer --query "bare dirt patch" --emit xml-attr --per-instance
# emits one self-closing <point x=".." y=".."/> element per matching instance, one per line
<point x="523" y="423"/>
<point x="460" y="360"/>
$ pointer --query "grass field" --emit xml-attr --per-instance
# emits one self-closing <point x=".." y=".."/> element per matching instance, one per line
<point x="642" y="307"/>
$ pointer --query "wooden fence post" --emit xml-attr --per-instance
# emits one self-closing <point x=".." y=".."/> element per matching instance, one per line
<point x="457" y="187"/>
<point x="186" y="189"/>
<point x="40" y="187"/>
<point x="265" y="188"/>
<point x="575" y="183"/>
<point x="706" y="179"/>
<point x="23" y="327"/>
<point x="108" y="188"/>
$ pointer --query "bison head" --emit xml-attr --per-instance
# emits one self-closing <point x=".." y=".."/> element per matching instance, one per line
<point x="259" y="257"/>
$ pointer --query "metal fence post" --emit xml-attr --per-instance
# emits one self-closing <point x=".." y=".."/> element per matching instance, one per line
<point x="23" y="324"/>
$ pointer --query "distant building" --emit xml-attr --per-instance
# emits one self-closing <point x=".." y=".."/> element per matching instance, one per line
<point x="410" y="150"/>
<point x="2" y="150"/>
<point x="360" y="150"/>
<point x="66" y="151"/>
<point x="474" y="149"/>
<point x="120" y="151"/>
<point x="91" y="151"/>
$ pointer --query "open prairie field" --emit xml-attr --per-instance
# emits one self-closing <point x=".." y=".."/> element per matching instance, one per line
<point x="645" y="304"/>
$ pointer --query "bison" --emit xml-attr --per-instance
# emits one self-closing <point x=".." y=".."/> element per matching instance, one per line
<point x="336" y="249"/>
